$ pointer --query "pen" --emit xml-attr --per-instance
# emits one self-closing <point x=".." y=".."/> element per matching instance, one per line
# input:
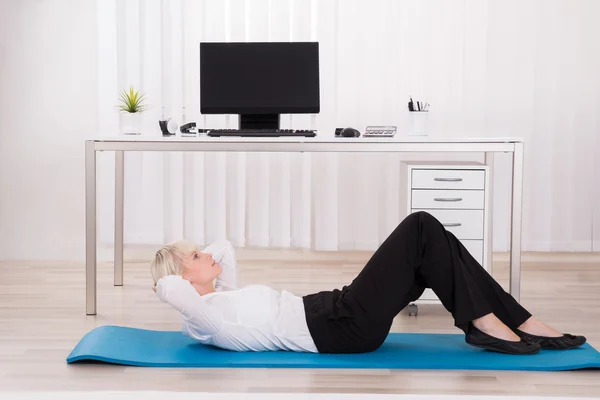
<point x="417" y="105"/>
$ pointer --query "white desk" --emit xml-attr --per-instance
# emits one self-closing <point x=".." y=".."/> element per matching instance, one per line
<point x="400" y="144"/>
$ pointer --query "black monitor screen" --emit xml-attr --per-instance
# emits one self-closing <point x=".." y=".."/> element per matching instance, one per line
<point x="259" y="78"/>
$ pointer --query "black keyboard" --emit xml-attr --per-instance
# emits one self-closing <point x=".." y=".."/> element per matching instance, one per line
<point x="261" y="132"/>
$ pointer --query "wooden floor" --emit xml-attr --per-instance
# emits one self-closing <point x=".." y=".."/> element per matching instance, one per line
<point x="42" y="317"/>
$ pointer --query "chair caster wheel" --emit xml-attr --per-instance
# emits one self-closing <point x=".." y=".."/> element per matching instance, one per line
<point x="413" y="309"/>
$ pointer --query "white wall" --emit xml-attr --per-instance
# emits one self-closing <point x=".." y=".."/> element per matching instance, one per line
<point x="47" y="103"/>
<point x="488" y="67"/>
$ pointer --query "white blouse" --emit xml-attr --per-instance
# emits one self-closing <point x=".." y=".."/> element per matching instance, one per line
<point x="252" y="318"/>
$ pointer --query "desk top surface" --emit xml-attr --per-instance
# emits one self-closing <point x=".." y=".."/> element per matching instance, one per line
<point x="337" y="140"/>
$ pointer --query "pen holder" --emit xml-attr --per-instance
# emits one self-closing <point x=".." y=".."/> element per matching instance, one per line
<point x="418" y="122"/>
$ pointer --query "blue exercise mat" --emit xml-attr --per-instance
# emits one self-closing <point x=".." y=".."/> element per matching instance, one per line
<point x="145" y="348"/>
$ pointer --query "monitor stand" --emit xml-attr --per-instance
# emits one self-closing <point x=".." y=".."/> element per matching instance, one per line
<point x="259" y="121"/>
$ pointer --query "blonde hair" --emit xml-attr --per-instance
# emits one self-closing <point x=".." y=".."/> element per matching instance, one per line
<point x="168" y="260"/>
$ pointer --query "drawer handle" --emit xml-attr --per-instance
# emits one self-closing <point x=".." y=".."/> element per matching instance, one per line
<point x="448" y="199"/>
<point x="452" y="224"/>
<point x="448" y="179"/>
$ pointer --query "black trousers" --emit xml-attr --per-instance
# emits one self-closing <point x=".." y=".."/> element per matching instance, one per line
<point x="420" y="253"/>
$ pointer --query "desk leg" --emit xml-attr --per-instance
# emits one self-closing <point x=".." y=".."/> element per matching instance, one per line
<point x="489" y="161"/>
<point x="119" y="211"/>
<point x="90" y="228"/>
<point x="516" y="222"/>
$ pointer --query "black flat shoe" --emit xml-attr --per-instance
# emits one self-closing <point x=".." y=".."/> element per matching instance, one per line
<point x="480" y="339"/>
<point x="564" y="342"/>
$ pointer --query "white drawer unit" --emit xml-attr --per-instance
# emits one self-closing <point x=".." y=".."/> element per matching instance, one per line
<point x="459" y="197"/>
<point x="464" y="224"/>
<point x="449" y="198"/>
<point x="447" y="179"/>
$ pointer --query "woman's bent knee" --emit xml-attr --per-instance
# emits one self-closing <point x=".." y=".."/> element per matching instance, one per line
<point x="423" y="216"/>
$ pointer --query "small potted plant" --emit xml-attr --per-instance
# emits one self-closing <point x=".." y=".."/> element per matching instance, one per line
<point x="131" y="107"/>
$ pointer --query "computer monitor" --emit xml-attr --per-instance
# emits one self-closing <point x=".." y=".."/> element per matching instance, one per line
<point x="259" y="81"/>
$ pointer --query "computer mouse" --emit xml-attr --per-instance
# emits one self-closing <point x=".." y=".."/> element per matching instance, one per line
<point x="350" y="132"/>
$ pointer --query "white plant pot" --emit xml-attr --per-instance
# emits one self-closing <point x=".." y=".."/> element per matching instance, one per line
<point x="131" y="123"/>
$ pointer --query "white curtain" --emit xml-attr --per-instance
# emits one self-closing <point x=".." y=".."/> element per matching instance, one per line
<point x="489" y="68"/>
